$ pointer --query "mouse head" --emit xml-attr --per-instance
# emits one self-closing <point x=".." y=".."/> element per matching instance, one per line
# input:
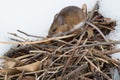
<point x="57" y="25"/>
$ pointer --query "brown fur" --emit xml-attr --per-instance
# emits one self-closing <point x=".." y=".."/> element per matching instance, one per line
<point x="66" y="19"/>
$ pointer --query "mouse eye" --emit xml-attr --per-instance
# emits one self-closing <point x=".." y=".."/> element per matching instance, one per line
<point x="54" y="29"/>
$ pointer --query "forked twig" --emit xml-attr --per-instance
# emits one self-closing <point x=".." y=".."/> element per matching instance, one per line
<point x="29" y="35"/>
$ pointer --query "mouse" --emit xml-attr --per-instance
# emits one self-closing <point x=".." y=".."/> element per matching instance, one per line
<point x="68" y="19"/>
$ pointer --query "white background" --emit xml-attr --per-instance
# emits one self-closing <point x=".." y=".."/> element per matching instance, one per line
<point x="36" y="16"/>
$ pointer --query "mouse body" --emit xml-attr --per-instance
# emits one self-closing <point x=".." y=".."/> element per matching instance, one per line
<point x="68" y="19"/>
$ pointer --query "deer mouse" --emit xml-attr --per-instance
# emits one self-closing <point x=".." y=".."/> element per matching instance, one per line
<point x="68" y="19"/>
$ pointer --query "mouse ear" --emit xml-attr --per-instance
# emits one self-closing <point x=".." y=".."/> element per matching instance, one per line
<point x="61" y="20"/>
<point x="56" y="15"/>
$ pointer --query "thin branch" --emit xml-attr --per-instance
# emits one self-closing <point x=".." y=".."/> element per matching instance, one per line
<point x="103" y="74"/>
<point x="82" y="67"/>
<point x="40" y="41"/>
<point x="29" y="35"/>
<point x="92" y="12"/>
<point x="97" y="30"/>
<point x="95" y="44"/>
<point x="14" y="34"/>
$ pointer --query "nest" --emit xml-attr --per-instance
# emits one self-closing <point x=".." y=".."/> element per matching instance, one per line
<point x="81" y="56"/>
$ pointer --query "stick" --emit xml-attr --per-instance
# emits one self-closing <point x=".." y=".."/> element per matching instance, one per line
<point x="95" y="44"/>
<point x="92" y="13"/>
<point x="103" y="74"/>
<point x="41" y="41"/>
<point x="29" y="35"/>
<point x="82" y="67"/>
<point x="97" y="30"/>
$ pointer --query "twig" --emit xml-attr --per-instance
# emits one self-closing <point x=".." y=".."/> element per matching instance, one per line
<point x="68" y="61"/>
<point x="80" y="57"/>
<point x="29" y="35"/>
<point x="92" y="12"/>
<point x="55" y="72"/>
<point x="107" y="58"/>
<point x="64" y="42"/>
<point x="97" y="30"/>
<point x="84" y="78"/>
<point x="60" y="57"/>
<point x="39" y="71"/>
<point x="17" y="40"/>
<point x="95" y="44"/>
<point x="10" y="59"/>
<point x="14" y="34"/>
<point x="72" y="54"/>
<point x="103" y="74"/>
<point x="82" y="67"/>
<point x="104" y="27"/>
<point x="109" y="52"/>
<point x="21" y="75"/>
<point x="40" y="41"/>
